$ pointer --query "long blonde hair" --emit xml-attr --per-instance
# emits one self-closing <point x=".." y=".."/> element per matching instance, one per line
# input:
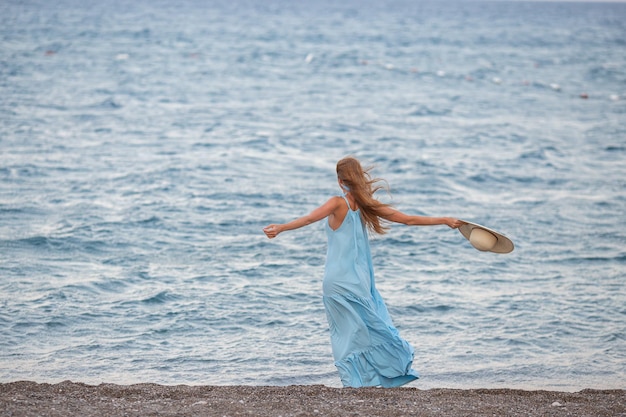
<point x="362" y="187"/>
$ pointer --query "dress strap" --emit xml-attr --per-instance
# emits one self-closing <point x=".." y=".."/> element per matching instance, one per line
<point x="347" y="202"/>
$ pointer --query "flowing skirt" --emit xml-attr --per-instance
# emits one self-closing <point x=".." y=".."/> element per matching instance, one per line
<point x="367" y="348"/>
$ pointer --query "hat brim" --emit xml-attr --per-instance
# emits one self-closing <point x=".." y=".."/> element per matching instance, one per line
<point x="503" y="245"/>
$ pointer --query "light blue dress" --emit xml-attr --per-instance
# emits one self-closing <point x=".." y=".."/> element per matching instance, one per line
<point x="367" y="348"/>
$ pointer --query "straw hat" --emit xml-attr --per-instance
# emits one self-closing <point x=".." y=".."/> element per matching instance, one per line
<point x="485" y="239"/>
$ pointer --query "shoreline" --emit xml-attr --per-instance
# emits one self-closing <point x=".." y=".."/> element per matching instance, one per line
<point x="27" y="398"/>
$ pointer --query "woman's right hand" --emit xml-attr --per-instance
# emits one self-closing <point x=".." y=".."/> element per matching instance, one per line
<point x="454" y="223"/>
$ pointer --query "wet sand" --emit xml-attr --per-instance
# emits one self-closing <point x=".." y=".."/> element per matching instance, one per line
<point x="76" y="399"/>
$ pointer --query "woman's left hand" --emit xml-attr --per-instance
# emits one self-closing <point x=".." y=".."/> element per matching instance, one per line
<point x="272" y="230"/>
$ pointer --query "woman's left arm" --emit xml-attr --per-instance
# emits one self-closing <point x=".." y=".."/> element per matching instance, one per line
<point x="318" y="214"/>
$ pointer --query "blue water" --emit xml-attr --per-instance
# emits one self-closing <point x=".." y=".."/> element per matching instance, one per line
<point x="145" y="144"/>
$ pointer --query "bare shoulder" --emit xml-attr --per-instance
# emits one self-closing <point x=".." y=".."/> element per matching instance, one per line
<point x="335" y="202"/>
<point x="330" y="206"/>
<point x="331" y="201"/>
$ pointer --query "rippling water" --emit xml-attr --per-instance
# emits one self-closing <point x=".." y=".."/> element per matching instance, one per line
<point x="145" y="144"/>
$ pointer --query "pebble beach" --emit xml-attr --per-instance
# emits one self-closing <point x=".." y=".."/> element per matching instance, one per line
<point x="67" y="398"/>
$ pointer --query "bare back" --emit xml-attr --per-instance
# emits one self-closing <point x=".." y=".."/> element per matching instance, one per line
<point x="339" y="214"/>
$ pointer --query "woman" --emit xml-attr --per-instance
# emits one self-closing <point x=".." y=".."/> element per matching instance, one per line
<point x="367" y="348"/>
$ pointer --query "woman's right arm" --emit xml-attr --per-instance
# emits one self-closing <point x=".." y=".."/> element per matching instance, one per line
<point x="318" y="214"/>
<point x="396" y="216"/>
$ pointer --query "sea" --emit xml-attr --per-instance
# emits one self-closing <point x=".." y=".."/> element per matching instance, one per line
<point x="144" y="145"/>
